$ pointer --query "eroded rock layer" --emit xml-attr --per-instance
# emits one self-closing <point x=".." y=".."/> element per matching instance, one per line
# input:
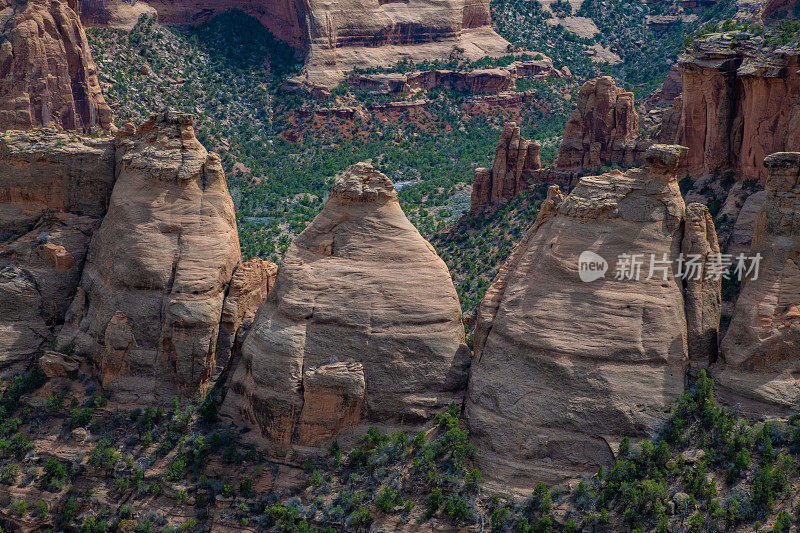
<point x="54" y="190"/>
<point x="739" y="104"/>
<point x="360" y="288"/>
<point x="564" y="368"/>
<point x="514" y="158"/>
<point x="47" y="74"/>
<point x="602" y="129"/>
<point x="150" y="300"/>
<point x="760" y="364"/>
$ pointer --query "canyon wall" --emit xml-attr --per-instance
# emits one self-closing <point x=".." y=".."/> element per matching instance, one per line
<point x="47" y="74"/>
<point x="759" y="360"/>
<point x="603" y="128"/>
<point x="564" y="368"/>
<point x="364" y="313"/>
<point x="740" y="103"/>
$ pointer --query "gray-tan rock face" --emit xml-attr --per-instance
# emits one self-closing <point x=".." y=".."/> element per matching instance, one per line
<point x="564" y="368"/>
<point x="47" y="74"/>
<point x="759" y="357"/>
<point x="150" y="300"/>
<point x="359" y="287"/>
<point x="54" y="190"/>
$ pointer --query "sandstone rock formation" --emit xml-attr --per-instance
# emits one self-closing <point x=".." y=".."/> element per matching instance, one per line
<point x="118" y="14"/>
<point x="150" y="300"/>
<point x="359" y="287"/>
<point x="54" y="190"/>
<point x="47" y="74"/>
<point x="759" y="359"/>
<point x="602" y="129"/>
<point x="564" y="368"/>
<point x="514" y="158"/>
<point x="344" y="34"/>
<point x="249" y="286"/>
<point x="739" y="104"/>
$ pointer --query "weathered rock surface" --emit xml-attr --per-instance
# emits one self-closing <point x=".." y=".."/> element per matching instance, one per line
<point x="150" y="300"/>
<point x="249" y="286"/>
<point x="602" y="129"/>
<point x="564" y="368"/>
<point x="739" y="104"/>
<point x="54" y="190"/>
<point x="514" y="158"/>
<point x="118" y="14"/>
<point x="343" y="34"/>
<point x="759" y="358"/>
<point x="359" y="285"/>
<point x="479" y="81"/>
<point x="47" y="74"/>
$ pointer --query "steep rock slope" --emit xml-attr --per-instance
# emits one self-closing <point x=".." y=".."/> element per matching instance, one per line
<point x="149" y="304"/>
<point x="54" y="190"/>
<point x="760" y="364"/>
<point x="739" y="104"/>
<point x="363" y="310"/>
<point x="564" y="368"/>
<point x="47" y="74"/>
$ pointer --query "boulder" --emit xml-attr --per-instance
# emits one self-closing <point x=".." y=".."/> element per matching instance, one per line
<point x="58" y="365"/>
<point x="47" y="74"/>
<point x="759" y="358"/>
<point x="148" y="307"/>
<point x="358" y="285"/>
<point x="566" y="365"/>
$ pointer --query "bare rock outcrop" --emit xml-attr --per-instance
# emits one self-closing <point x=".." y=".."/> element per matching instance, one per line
<point x="340" y="35"/>
<point x="514" y="158"/>
<point x="359" y="287"/>
<point x="740" y="102"/>
<point x="54" y="190"/>
<point x="602" y="129"/>
<point x="47" y="74"/>
<point x="148" y="307"/>
<point x="564" y="368"/>
<point x="759" y="358"/>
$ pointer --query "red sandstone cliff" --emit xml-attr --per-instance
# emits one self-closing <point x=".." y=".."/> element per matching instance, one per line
<point x="739" y="104"/>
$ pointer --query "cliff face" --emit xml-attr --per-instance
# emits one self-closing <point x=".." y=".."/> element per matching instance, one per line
<point x="47" y="74"/>
<point x="363" y="313"/>
<point x="602" y="129"/>
<point x="54" y="191"/>
<point x="340" y="35"/>
<point x="149" y="304"/>
<point x="739" y="104"/>
<point x="124" y="252"/>
<point x="514" y="158"/>
<point x="759" y="359"/>
<point x="564" y="368"/>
